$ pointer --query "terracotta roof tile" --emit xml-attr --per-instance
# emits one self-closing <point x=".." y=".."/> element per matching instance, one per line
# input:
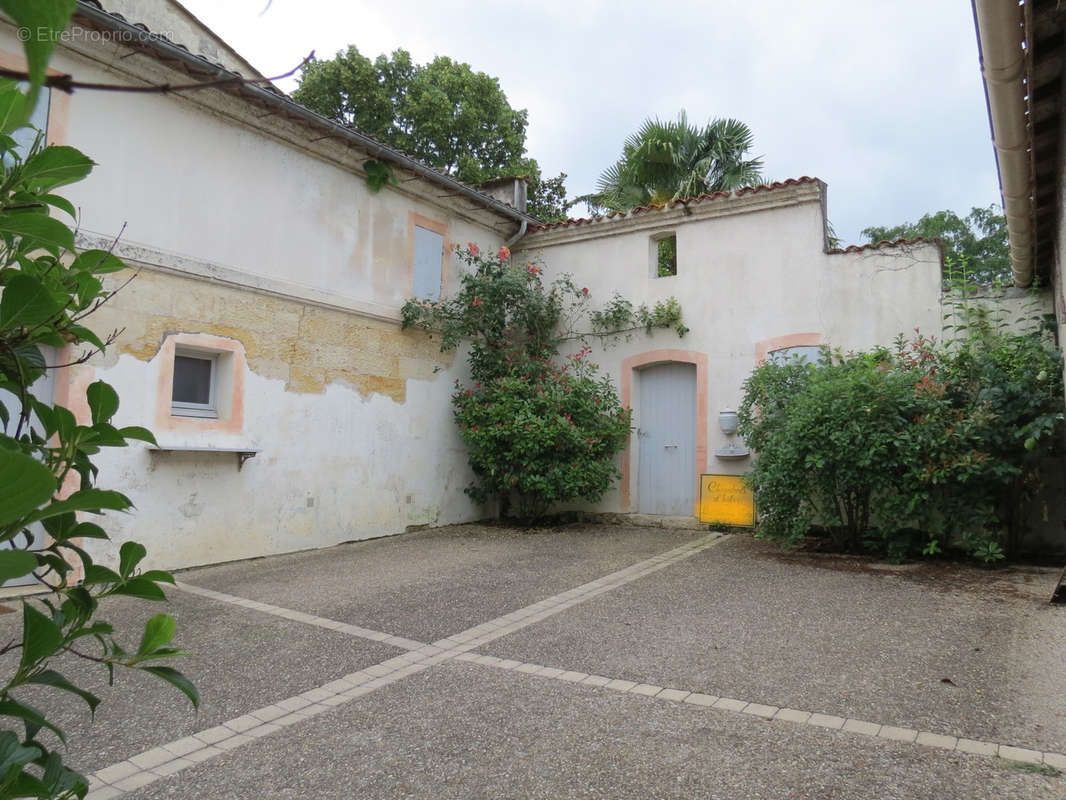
<point x="766" y="187"/>
<point x="858" y="248"/>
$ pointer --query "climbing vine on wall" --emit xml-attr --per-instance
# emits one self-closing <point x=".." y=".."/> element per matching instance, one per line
<point x="540" y="428"/>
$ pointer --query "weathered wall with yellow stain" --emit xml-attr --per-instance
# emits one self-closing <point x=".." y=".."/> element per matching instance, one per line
<point x="349" y="417"/>
<point x="257" y="235"/>
<point x="306" y="346"/>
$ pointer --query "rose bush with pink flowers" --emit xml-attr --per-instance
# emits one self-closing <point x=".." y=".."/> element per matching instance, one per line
<point x="540" y="429"/>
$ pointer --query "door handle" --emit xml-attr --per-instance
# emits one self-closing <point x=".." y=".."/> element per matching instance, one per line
<point x="668" y="446"/>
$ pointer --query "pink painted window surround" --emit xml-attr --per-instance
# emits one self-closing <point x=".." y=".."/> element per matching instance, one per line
<point x="230" y="370"/>
<point x="767" y="346"/>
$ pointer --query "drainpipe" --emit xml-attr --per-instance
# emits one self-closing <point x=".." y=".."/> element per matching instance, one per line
<point x="1001" y="35"/>
<point x="517" y="236"/>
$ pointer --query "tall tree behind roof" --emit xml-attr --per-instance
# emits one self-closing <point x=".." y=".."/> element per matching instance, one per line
<point x="442" y="113"/>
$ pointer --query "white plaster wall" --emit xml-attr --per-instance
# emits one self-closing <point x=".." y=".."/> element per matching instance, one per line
<point x="187" y="181"/>
<point x="192" y="186"/>
<point x="743" y="279"/>
<point x="331" y="468"/>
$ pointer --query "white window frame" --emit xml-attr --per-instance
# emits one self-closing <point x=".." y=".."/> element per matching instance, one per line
<point x="185" y="409"/>
<point x="784" y="355"/>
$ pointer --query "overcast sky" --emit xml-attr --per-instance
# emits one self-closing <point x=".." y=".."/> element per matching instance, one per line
<point x="882" y="101"/>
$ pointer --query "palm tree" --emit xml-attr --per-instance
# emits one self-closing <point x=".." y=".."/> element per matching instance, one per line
<point x="665" y="161"/>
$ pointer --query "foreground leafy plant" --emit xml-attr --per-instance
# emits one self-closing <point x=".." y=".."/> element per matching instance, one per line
<point x="539" y="429"/>
<point x="48" y="290"/>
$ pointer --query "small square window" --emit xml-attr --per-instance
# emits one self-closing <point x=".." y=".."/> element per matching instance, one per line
<point x="195" y="379"/>
<point x="665" y="250"/>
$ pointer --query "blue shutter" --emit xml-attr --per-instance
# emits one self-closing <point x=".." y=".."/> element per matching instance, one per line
<point x="429" y="253"/>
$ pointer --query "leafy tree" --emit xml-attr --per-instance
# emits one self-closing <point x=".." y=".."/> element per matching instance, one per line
<point x="546" y="197"/>
<point x="47" y="290"/>
<point x="980" y="238"/>
<point x="665" y="161"/>
<point x="538" y="428"/>
<point x="442" y="113"/>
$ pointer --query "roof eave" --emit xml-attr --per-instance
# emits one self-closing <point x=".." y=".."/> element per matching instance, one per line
<point x="163" y="48"/>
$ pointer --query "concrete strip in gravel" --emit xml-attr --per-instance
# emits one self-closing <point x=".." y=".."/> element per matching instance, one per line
<point x="448" y="686"/>
<point x="860" y="727"/>
<point x="736" y="621"/>
<point x="465" y="574"/>
<point x="172" y="757"/>
<point x="309" y="619"/>
<point x="467" y="731"/>
<point x="239" y="661"/>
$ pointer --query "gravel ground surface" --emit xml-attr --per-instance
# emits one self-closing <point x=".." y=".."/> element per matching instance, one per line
<point x="465" y="731"/>
<point x="942" y="648"/>
<point x="942" y="651"/>
<point x="429" y="585"/>
<point x="239" y="660"/>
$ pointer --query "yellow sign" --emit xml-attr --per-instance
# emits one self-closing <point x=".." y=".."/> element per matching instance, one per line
<point x="726" y="500"/>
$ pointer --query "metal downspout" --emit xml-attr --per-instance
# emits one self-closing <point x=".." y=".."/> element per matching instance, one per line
<point x="517" y="236"/>
<point x="1001" y="38"/>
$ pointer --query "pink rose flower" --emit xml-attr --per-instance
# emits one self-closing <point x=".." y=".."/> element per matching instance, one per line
<point x="503" y="254"/>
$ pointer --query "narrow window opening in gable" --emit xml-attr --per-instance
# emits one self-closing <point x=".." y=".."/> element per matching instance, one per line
<point x="666" y="256"/>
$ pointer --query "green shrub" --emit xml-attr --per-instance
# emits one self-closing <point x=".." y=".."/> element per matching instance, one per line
<point x="909" y="450"/>
<point x="539" y="429"/>
<point x="47" y="472"/>
<point x="542" y="433"/>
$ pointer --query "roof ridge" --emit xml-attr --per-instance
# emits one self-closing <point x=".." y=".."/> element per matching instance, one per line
<point x="858" y="248"/>
<point x="683" y="201"/>
<point x="93" y="12"/>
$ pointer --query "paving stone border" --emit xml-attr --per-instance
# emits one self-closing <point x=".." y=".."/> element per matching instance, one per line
<point x="145" y="768"/>
<point x="778" y="714"/>
<point x="300" y="616"/>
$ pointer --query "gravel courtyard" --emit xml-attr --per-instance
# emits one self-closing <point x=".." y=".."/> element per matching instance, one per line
<point x="588" y="661"/>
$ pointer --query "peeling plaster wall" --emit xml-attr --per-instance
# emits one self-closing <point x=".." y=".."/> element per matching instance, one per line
<point x="751" y="270"/>
<point x="278" y="253"/>
<point x="332" y="467"/>
<point x="305" y="346"/>
<point x="350" y="415"/>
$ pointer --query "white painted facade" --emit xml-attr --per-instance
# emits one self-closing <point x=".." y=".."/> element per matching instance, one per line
<point x="753" y="276"/>
<point x="259" y="240"/>
<point x="247" y="231"/>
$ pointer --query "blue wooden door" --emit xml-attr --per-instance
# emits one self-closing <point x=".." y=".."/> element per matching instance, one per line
<point x="666" y="430"/>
